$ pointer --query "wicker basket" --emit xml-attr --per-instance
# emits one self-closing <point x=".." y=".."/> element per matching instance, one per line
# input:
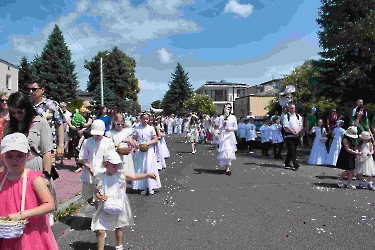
<point x="11" y="229"/>
<point x="143" y="147"/>
<point x="14" y="229"/>
<point x="123" y="151"/>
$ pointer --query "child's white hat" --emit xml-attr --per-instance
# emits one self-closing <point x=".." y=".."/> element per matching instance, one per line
<point x="97" y="127"/>
<point x="352" y="132"/>
<point x="16" y="141"/>
<point x="113" y="157"/>
<point x="365" y="135"/>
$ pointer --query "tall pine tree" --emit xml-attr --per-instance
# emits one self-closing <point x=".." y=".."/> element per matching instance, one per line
<point x="118" y="74"/>
<point x="54" y="66"/>
<point x="347" y="39"/>
<point x="25" y="75"/>
<point x="179" y="91"/>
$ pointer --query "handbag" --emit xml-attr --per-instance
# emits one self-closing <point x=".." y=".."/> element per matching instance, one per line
<point x="14" y="229"/>
<point x="54" y="174"/>
<point x="111" y="205"/>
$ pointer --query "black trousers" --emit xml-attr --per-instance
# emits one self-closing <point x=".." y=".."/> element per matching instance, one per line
<point x="265" y="147"/>
<point x="242" y="145"/>
<point x="277" y="147"/>
<point x="292" y="144"/>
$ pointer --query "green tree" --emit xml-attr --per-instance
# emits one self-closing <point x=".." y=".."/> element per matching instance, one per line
<point x="156" y="104"/>
<point x="25" y="75"/>
<point x="55" y="67"/>
<point x="308" y="93"/>
<point x="74" y="105"/>
<point x="179" y="91"/>
<point x="347" y="39"/>
<point x="108" y="96"/>
<point x="118" y="74"/>
<point x="202" y="104"/>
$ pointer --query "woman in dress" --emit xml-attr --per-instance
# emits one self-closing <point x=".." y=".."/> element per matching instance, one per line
<point x="145" y="162"/>
<point x="331" y="124"/>
<point x="194" y="130"/>
<point x="163" y="144"/>
<point x="334" y="151"/>
<point x="318" y="154"/>
<point x="228" y="147"/>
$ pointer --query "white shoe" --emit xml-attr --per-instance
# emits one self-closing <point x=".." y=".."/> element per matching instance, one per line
<point x="152" y="192"/>
<point x="144" y="192"/>
<point x="351" y="186"/>
<point x="120" y="247"/>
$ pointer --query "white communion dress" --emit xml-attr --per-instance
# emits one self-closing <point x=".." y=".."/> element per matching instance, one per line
<point x="228" y="142"/>
<point x="318" y="154"/>
<point x="335" y="147"/>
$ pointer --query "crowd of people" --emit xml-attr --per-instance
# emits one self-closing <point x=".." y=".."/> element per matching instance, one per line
<point x="114" y="151"/>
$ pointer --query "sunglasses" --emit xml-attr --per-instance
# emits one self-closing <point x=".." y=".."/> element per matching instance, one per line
<point x="19" y="112"/>
<point x="33" y="89"/>
<point x="120" y="124"/>
<point x="3" y="100"/>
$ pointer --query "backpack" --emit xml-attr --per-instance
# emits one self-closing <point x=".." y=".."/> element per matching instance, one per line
<point x="298" y="116"/>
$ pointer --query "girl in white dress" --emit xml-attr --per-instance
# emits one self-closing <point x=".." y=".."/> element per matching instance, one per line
<point x="251" y="134"/>
<point x="110" y="186"/>
<point x="159" y="154"/>
<point x="163" y="144"/>
<point x="122" y="137"/>
<point x="186" y="124"/>
<point x="277" y="137"/>
<point x="227" y="143"/>
<point x="194" y="130"/>
<point x="216" y="135"/>
<point x="91" y="156"/>
<point x="145" y="162"/>
<point x="334" y="151"/>
<point x="318" y="154"/>
<point x="365" y="162"/>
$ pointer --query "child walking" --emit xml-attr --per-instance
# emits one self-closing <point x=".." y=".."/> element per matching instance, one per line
<point x="334" y="151"/>
<point x="110" y="188"/>
<point x="194" y="130"/>
<point x="346" y="159"/>
<point x="241" y="134"/>
<point x="318" y="154"/>
<point x="121" y="137"/>
<point x="266" y="137"/>
<point x="216" y="135"/>
<point x="277" y="137"/>
<point x="145" y="161"/>
<point x="38" y="201"/>
<point x="365" y="163"/>
<point x="91" y="157"/>
<point x="251" y="135"/>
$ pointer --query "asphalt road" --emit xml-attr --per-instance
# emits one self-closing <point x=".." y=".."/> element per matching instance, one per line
<point x="260" y="206"/>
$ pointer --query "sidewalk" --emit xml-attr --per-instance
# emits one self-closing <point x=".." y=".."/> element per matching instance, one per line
<point x="68" y="185"/>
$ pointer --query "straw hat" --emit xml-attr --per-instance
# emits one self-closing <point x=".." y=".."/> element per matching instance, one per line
<point x="365" y="135"/>
<point x="352" y="132"/>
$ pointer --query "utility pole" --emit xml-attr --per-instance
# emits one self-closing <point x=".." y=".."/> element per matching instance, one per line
<point x="101" y="82"/>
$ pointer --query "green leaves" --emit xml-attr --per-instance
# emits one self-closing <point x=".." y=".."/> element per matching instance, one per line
<point x="202" y="104"/>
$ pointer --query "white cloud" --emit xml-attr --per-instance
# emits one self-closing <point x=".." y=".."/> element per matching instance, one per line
<point x="243" y="10"/>
<point x="165" y="56"/>
<point x="165" y="7"/>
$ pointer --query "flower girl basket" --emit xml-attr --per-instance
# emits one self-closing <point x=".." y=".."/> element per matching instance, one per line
<point x="14" y="229"/>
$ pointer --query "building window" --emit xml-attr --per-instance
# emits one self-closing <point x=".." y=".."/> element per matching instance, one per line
<point x="213" y="95"/>
<point x="208" y="92"/>
<point x="8" y="81"/>
<point x="239" y="92"/>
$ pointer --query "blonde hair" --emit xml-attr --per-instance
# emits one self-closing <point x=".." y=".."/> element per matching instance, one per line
<point x="118" y="117"/>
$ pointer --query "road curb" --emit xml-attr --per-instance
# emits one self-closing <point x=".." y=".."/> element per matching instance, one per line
<point x="77" y="199"/>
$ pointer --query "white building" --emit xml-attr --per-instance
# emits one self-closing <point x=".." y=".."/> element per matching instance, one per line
<point x="222" y="92"/>
<point x="8" y="77"/>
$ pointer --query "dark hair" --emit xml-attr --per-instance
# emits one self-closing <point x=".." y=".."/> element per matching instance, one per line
<point x="195" y="120"/>
<point x="41" y="82"/>
<point x="100" y="111"/>
<point x="21" y="101"/>
<point x="364" y="116"/>
<point x="275" y="118"/>
<point x="225" y="106"/>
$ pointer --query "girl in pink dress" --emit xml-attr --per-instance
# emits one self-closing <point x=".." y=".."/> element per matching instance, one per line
<point x="37" y="233"/>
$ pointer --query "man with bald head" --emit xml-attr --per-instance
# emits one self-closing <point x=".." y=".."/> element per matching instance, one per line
<point x="293" y="123"/>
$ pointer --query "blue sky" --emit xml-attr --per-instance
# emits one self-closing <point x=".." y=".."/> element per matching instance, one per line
<point x="243" y="41"/>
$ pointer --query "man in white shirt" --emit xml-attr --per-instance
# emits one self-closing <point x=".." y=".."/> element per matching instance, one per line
<point x="293" y="126"/>
<point x="359" y="103"/>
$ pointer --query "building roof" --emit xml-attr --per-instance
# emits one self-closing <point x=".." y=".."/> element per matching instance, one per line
<point x="223" y="82"/>
<point x="84" y="93"/>
<point x="14" y="66"/>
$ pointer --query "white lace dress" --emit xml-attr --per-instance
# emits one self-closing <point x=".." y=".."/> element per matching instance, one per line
<point x="117" y="137"/>
<point x="367" y="166"/>
<point x="106" y="221"/>
<point x="227" y="143"/>
<point x="318" y="154"/>
<point x="335" y="147"/>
